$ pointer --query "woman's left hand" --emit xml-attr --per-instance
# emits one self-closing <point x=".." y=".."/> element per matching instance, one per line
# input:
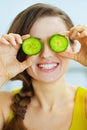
<point x="78" y="33"/>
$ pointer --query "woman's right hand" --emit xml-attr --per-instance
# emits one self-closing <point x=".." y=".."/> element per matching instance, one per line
<point x="9" y="65"/>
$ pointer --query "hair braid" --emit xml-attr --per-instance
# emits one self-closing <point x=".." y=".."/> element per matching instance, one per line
<point x="21" y="100"/>
<point x="19" y="106"/>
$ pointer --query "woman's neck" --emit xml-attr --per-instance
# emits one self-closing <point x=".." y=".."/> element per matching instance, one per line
<point x="50" y="95"/>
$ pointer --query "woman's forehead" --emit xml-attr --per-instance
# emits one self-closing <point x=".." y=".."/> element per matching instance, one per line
<point x="48" y="25"/>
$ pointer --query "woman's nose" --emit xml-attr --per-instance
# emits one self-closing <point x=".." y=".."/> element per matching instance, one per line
<point x="46" y="51"/>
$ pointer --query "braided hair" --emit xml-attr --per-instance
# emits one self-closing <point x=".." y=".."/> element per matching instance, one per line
<point x="19" y="105"/>
<point x="22" y="25"/>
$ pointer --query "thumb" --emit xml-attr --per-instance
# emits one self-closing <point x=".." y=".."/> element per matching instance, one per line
<point x="72" y="51"/>
<point x="25" y="64"/>
<point x="69" y="55"/>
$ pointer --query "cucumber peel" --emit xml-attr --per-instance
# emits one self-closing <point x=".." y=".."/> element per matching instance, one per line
<point x="31" y="46"/>
<point x="58" y="43"/>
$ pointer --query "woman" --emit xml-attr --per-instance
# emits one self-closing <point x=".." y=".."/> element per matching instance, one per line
<point x="45" y="102"/>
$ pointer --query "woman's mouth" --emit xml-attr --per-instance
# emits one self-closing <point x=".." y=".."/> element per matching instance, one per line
<point x="48" y="67"/>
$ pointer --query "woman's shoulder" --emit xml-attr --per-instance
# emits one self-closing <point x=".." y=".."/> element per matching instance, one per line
<point x="83" y="95"/>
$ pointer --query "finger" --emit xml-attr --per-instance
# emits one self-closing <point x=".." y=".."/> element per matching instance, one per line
<point x="25" y="64"/>
<point x="17" y="37"/>
<point x="4" y="41"/>
<point x="9" y="38"/>
<point x="75" y="35"/>
<point x="83" y="34"/>
<point x="25" y="36"/>
<point x="68" y="55"/>
<point x="79" y="28"/>
<point x="67" y="33"/>
<point x="72" y="53"/>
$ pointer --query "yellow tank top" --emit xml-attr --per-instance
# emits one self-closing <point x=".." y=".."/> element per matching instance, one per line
<point x="79" y="120"/>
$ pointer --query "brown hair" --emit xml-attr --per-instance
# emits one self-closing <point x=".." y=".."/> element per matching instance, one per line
<point x="22" y="25"/>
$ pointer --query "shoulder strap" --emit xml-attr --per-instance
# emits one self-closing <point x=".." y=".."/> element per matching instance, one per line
<point x="79" y="120"/>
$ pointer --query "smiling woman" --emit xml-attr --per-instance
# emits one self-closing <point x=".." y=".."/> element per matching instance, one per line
<point x="47" y="60"/>
<point x="45" y="98"/>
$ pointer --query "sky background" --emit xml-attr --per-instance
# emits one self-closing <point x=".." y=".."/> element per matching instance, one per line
<point x="76" y="9"/>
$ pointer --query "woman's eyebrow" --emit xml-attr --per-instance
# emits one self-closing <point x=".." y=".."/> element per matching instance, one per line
<point x="40" y="38"/>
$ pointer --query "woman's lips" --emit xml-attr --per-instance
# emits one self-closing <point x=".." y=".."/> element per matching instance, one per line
<point x="47" y="67"/>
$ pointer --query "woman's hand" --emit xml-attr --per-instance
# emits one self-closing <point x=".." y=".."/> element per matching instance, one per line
<point x="9" y="65"/>
<point x="78" y="33"/>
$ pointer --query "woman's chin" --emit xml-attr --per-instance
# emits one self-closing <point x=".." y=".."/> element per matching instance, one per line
<point x="49" y="79"/>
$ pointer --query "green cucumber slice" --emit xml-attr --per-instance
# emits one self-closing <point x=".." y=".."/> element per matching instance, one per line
<point x="58" y="43"/>
<point x="31" y="46"/>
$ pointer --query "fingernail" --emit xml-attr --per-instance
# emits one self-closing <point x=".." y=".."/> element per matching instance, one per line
<point x="20" y="41"/>
<point x="77" y="47"/>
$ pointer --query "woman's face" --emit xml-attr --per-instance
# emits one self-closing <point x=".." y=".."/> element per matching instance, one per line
<point x="47" y="66"/>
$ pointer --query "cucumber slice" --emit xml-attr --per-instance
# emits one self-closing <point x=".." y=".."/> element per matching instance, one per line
<point x="31" y="46"/>
<point x="58" y="43"/>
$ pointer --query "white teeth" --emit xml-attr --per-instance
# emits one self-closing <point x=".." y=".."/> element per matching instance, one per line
<point x="47" y="66"/>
